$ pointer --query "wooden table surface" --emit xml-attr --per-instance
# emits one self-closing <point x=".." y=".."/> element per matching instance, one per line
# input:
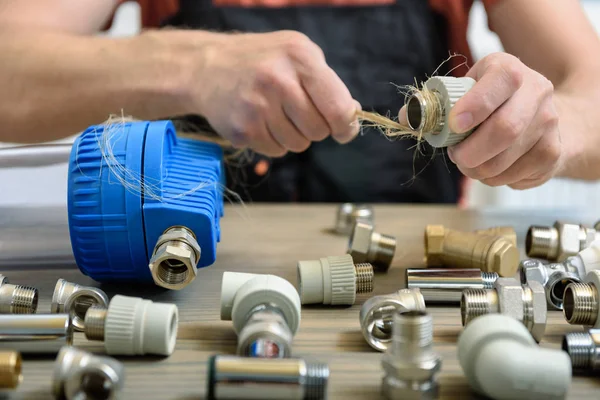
<point x="271" y="239"/>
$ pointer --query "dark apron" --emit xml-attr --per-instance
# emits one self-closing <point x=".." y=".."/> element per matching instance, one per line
<point x="370" y="48"/>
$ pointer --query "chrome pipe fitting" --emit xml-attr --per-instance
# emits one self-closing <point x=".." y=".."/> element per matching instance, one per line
<point x="10" y="369"/>
<point x="581" y="301"/>
<point x="34" y="334"/>
<point x="367" y="246"/>
<point x="265" y="334"/>
<point x="333" y="280"/>
<point x="82" y="375"/>
<point x="231" y="377"/>
<point x="584" y="349"/>
<point x="133" y="326"/>
<point x="175" y="258"/>
<point x="377" y="313"/>
<point x="410" y="363"/>
<point x="525" y="303"/>
<point x="349" y="214"/>
<point x="557" y="242"/>
<point x="74" y="299"/>
<point x="17" y="299"/>
<point x="443" y="285"/>
<point x="450" y="248"/>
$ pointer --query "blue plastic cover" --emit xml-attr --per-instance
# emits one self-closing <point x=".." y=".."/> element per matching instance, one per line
<point x="168" y="181"/>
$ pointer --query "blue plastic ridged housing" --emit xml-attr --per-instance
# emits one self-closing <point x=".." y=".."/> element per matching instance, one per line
<point x="170" y="181"/>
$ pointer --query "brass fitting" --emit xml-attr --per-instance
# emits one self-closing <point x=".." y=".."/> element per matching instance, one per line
<point x="581" y="301"/>
<point x="82" y="375"/>
<point x="333" y="280"/>
<point x="507" y="232"/>
<point x="584" y="349"/>
<point x="556" y="243"/>
<point x="349" y="214"/>
<point x="175" y="258"/>
<point x="17" y="299"/>
<point x="450" y="248"/>
<point x="10" y="369"/>
<point x="410" y="363"/>
<point x="525" y="303"/>
<point x="73" y="299"/>
<point x="377" y="315"/>
<point x="368" y="246"/>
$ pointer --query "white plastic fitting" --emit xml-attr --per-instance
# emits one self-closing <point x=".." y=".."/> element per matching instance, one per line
<point x="134" y="326"/>
<point x="502" y="361"/>
<point x="240" y="293"/>
<point x="590" y="257"/>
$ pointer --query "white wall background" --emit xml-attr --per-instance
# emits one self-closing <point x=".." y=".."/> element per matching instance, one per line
<point x="48" y="185"/>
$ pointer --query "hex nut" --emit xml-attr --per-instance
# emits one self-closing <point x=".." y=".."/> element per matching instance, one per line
<point x="510" y="297"/>
<point x="399" y="375"/>
<point x="434" y="244"/>
<point x="360" y="242"/>
<point x="504" y="258"/>
<point x="178" y="245"/>
<point x="540" y="311"/>
<point x="568" y="240"/>
<point x="533" y="271"/>
<point x="402" y="390"/>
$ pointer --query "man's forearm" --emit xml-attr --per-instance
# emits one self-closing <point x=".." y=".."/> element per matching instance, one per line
<point x="55" y="85"/>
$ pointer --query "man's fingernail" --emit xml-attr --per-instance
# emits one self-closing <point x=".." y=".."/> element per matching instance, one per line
<point x="462" y="122"/>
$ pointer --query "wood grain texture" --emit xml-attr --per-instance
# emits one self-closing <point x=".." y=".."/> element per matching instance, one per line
<point x="271" y="239"/>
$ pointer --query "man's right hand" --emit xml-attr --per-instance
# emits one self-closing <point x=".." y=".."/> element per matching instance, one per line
<point x="272" y="92"/>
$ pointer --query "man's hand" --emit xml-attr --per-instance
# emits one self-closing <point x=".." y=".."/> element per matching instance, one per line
<point x="272" y="92"/>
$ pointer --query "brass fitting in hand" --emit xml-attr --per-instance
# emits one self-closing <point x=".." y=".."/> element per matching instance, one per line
<point x="368" y="246"/>
<point x="450" y="248"/>
<point x="557" y="242"/>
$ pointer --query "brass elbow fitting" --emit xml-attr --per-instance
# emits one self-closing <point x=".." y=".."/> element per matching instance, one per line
<point x="557" y="242"/>
<point x="175" y="258"/>
<point x="10" y="369"/>
<point x="450" y="248"/>
<point x="349" y="214"/>
<point x="368" y="246"/>
<point x="17" y="299"/>
<point x="73" y="299"/>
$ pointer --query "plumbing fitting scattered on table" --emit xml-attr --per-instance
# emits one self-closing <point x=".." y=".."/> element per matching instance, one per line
<point x="265" y="310"/>
<point x="16" y="299"/>
<point x="450" y="248"/>
<point x="377" y="313"/>
<point x="82" y="375"/>
<point x="557" y="242"/>
<point x="368" y="246"/>
<point x="333" y="280"/>
<point x="74" y="299"/>
<point x="581" y="301"/>
<point x="10" y="369"/>
<point x="502" y="361"/>
<point x="443" y="285"/>
<point x="231" y="377"/>
<point x="507" y="232"/>
<point x="525" y="303"/>
<point x="35" y="334"/>
<point x="584" y="349"/>
<point x="133" y="326"/>
<point x="349" y="214"/>
<point x="410" y="363"/>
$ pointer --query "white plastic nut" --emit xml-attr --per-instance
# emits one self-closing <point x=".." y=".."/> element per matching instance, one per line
<point x="591" y="257"/>
<point x="329" y="280"/>
<point x="501" y="360"/>
<point x="241" y="292"/>
<point x="135" y="326"/>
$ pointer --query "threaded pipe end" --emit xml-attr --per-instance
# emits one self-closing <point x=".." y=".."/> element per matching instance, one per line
<point x="542" y="241"/>
<point x="385" y="248"/>
<point x="364" y="277"/>
<point x="10" y="369"/>
<point x="317" y="376"/>
<point x="489" y="278"/>
<point x="581" y="304"/>
<point x="474" y="303"/>
<point x="95" y="318"/>
<point x="580" y="347"/>
<point x="24" y="300"/>
<point x="412" y="329"/>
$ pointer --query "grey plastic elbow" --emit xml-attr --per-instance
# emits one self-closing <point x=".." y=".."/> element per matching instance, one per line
<point x="502" y="361"/>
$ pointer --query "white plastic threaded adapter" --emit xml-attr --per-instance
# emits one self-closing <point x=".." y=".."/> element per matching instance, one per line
<point x="501" y="360"/>
<point x="329" y="280"/>
<point x="591" y="257"/>
<point x="240" y="293"/>
<point x="448" y="90"/>
<point x="135" y="326"/>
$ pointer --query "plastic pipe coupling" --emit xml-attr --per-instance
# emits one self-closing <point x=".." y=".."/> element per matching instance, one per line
<point x="581" y="301"/>
<point x="349" y="214"/>
<point x="557" y="242"/>
<point x="377" y="315"/>
<point x="82" y="375"/>
<point x="556" y="276"/>
<point x="132" y="183"/>
<point x="265" y="310"/>
<point x="133" y="326"/>
<point x="74" y="299"/>
<point x="367" y="246"/>
<point x="502" y="361"/>
<point x="525" y="303"/>
<point x="450" y="248"/>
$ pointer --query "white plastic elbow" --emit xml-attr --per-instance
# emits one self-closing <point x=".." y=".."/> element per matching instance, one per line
<point x="501" y="360"/>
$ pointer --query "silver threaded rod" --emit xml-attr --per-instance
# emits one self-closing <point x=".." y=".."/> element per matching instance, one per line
<point x="317" y="376"/>
<point x="581" y="304"/>
<point x="488" y="279"/>
<point x="581" y="349"/>
<point x="94" y="323"/>
<point x="16" y="299"/>
<point x="477" y="302"/>
<point x="364" y="277"/>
